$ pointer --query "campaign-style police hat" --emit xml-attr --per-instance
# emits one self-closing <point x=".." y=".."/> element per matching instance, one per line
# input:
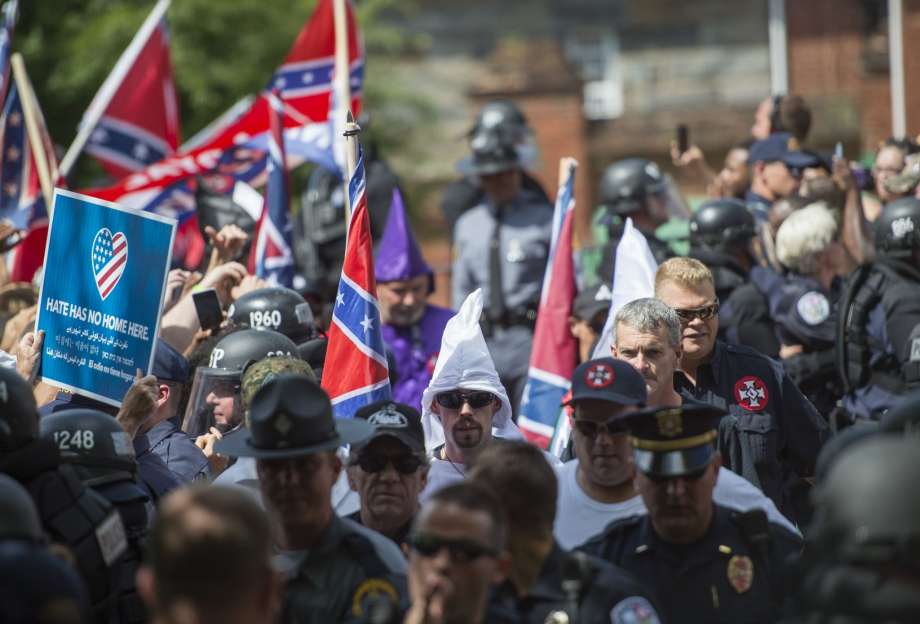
<point x="291" y="416"/>
<point x="396" y="420"/>
<point x="608" y="379"/>
<point x="674" y="441"/>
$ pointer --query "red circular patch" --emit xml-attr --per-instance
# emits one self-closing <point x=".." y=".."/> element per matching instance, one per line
<point x="751" y="393"/>
<point x="599" y="376"/>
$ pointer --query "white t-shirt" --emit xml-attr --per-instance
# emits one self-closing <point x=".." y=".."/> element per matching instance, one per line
<point x="579" y="517"/>
<point x="442" y="472"/>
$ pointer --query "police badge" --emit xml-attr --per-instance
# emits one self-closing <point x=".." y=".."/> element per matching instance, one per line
<point x="740" y="573"/>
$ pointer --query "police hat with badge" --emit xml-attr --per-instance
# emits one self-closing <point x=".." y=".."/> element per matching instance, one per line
<point x="673" y="442"/>
<point x="291" y="416"/>
<point x="395" y="420"/>
<point x="608" y="379"/>
<point x="277" y="308"/>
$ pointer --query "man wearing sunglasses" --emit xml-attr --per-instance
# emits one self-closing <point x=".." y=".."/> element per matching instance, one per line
<point x="708" y="563"/>
<point x="597" y="488"/>
<point x="390" y="470"/>
<point x="334" y="568"/>
<point x="547" y="583"/>
<point x="776" y="169"/>
<point x="772" y="434"/>
<point x="456" y="556"/>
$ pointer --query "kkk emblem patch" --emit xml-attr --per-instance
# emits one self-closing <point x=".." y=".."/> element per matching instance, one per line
<point x="740" y="573"/>
<point x="751" y="393"/>
<point x="670" y="424"/>
<point x="599" y="376"/>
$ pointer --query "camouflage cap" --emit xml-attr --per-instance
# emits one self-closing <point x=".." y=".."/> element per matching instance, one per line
<point x="263" y="371"/>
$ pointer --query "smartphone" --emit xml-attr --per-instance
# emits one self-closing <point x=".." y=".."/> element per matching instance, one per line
<point x="683" y="138"/>
<point x="207" y="305"/>
<point x="838" y="150"/>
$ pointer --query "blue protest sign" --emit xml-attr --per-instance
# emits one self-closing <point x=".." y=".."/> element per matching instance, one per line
<point x="101" y="295"/>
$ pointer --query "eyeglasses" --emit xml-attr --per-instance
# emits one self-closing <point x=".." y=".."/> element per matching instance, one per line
<point x="703" y="313"/>
<point x="591" y="429"/>
<point x="461" y="551"/>
<point x="456" y="399"/>
<point x="404" y="464"/>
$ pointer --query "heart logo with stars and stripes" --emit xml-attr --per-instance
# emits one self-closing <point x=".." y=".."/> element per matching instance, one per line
<point x="110" y="257"/>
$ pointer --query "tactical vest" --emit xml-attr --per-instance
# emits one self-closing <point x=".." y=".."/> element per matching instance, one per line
<point x="866" y="289"/>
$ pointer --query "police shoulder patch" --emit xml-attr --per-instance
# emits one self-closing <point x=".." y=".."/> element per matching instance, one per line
<point x="634" y="610"/>
<point x="813" y="307"/>
<point x="370" y="589"/>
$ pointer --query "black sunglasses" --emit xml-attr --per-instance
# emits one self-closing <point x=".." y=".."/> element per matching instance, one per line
<point x="703" y="313"/>
<point x="404" y="464"/>
<point x="461" y="551"/>
<point x="591" y="429"/>
<point x="455" y="399"/>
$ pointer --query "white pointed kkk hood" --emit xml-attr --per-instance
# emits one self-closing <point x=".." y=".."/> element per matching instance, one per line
<point x="464" y="362"/>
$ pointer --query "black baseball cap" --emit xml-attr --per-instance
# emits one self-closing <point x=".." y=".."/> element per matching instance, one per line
<point x="396" y="420"/>
<point x="608" y="379"/>
<point x="674" y="441"/>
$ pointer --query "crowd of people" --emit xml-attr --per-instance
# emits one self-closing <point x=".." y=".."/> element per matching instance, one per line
<point x="745" y="451"/>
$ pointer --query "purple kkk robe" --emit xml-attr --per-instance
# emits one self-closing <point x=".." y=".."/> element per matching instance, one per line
<point x="415" y="348"/>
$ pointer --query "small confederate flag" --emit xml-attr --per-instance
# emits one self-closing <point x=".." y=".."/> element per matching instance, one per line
<point x="552" y="358"/>
<point x="271" y="256"/>
<point x="355" y="372"/>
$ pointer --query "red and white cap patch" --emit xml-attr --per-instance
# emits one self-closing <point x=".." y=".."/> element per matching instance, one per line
<point x="599" y="376"/>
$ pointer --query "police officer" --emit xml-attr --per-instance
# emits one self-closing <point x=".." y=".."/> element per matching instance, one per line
<point x="773" y="433"/>
<point x="103" y="458"/>
<point x="805" y="305"/>
<point x="71" y="514"/>
<point x="722" y="236"/>
<point x="502" y="118"/>
<point x="335" y="568"/>
<point x="214" y="400"/>
<point x="280" y="309"/>
<point x="633" y="188"/>
<point x="705" y="562"/>
<point x="547" y="583"/>
<point x="501" y="246"/>
<point x="860" y="566"/>
<point x="879" y="313"/>
<point x="163" y="436"/>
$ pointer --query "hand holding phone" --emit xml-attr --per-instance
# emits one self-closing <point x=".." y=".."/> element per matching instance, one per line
<point x="683" y="138"/>
<point x="207" y="305"/>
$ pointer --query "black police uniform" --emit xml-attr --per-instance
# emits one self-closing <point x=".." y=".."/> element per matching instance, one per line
<point x="772" y="434"/>
<point x="100" y="452"/>
<point x="75" y="516"/>
<point x="806" y="315"/>
<point x="153" y="474"/>
<point x="602" y="593"/>
<point x="745" y="319"/>
<point x="349" y="568"/>
<point x="732" y="574"/>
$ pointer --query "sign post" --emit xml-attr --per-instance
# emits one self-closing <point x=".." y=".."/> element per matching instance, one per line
<point x="101" y="295"/>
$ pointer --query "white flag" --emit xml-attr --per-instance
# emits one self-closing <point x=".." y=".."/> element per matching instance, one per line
<point x="633" y="278"/>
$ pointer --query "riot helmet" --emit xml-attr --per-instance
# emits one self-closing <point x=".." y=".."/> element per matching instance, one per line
<point x="721" y="224"/>
<point x="280" y="309"/>
<point x="18" y="412"/>
<point x="214" y="400"/>
<point x="18" y="516"/>
<point x="635" y="185"/>
<point x="504" y="119"/>
<point x="897" y="229"/>
<point x="93" y="443"/>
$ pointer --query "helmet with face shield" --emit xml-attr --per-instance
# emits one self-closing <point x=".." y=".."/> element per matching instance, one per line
<point x="214" y="400"/>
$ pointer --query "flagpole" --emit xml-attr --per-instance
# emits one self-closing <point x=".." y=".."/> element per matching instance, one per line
<point x="342" y="90"/>
<point x="107" y="91"/>
<point x="37" y="145"/>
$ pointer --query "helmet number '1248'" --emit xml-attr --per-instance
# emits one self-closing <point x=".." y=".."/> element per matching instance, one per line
<point x="76" y="439"/>
<point x="264" y="318"/>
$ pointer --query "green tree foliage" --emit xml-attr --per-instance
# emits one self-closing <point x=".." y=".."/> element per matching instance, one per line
<point x="221" y="51"/>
